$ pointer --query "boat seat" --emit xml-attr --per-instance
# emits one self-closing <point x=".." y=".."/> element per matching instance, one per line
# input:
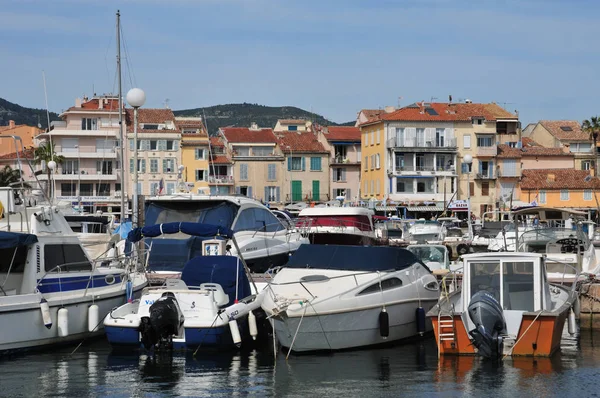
<point x="220" y="297"/>
<point x="175" y="284"/>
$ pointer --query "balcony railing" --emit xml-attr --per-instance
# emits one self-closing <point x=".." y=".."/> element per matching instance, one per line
<point x="487" y="150"/>
<point x="220" y="179"/>
<point x="446" y="143"/>
<point x="342" y="160"/>
<point x="485" y="176"/>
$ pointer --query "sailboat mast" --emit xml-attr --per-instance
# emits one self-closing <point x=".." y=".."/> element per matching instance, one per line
<point x="122" y="146"/>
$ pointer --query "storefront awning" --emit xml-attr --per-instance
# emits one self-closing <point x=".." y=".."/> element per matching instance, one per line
<point x="426" y="208"/>
<point x="386" y="208"/>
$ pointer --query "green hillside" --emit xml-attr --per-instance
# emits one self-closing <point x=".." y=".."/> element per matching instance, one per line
<point x="22" y="115"/>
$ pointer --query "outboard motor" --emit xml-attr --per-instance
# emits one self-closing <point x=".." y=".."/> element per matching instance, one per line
<point x="163" y="323"/>
<point x="487" y="315"/>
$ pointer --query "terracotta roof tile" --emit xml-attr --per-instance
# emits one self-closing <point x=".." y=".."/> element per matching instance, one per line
<point x="343" y="133"/>
<point x="150" y="116"/>
<point x="300" y="142"/>
<point x="220" y="159"/>
<point x="557" y="179"/>
<point x="108" y="104"/>
<point x="444" y="112"/>
<point x="292" y="121"/>
<point x="526" y="141"/>
<point x="216" y="142"/>
<point x="557" y="129"/>
<point x="507" y="152"/>
<point x="242" y="135"/>
<point x="27" y="154"/>
<point x="372" y="115"/>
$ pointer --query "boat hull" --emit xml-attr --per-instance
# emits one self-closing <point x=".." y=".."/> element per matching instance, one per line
<point x="351" y="329"/>
<point x="340" y="238"/>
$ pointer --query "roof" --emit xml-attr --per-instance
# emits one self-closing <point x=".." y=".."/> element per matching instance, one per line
<point x="292" y="121"/>
<point x="220" y="159"/>
<point x="216" y="141"/>
<point x="245" y="135"/>
<point x="449" y="112"/>
<point x="506" y="152"/>
<point x="372" y="115"/>
<point x="526" y="141"/>
<point x="343" y="133"/>
<point x="191" y="123"/>
<point x="563" y="179"/>
<point x="569" y="130"/>
<point x="26" y="154"/>
<point x="300" y="142"/>
<point x="151" y="116"/>
<point x="109" y="104"/>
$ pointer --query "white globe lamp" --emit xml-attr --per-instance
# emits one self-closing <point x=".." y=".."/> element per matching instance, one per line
<point x="136" y="97"/>
<point x="468" y="159"/>
<point x="52" y="165"/>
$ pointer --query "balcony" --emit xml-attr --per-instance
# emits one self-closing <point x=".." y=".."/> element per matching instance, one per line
<point x="487" y="151"/>
<point x="341" y="160"/>
<point x="84" y="133"/>
<point x="84" y="176"/>
<point x="448" y="145"/>
<point x="509" y="174"/>
<point x="70" y="154"/>
<point x="485" y="176"/>
<point x="220" y="180"/>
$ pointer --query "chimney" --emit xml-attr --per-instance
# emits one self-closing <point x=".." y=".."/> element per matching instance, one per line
<point x="77" y="102"/>
<point x="389" y="109"/>
<point x="551" y="177"/>
<point x="253" y="126"/>
<point x="11" y="124"/>
<point x="566" y="148"/>
<point x="100" y="103"/>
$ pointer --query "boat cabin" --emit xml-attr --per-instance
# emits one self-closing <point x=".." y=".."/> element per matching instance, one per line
<point x="342" y="217"/>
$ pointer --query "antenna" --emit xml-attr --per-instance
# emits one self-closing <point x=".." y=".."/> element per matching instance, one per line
<point x="433" y="98"/>
<point x="505" y="103"/>
<point x="167" y="103"/>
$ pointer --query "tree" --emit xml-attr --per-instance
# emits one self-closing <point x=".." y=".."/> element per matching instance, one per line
<point x="10" y="177"/>
<point x="592" y="127"/>
<point x="45" y="153"/>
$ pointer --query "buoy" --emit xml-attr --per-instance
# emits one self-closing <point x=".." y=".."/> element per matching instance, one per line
<point x="235" y="333"/>
<point x="93" y="315"/>
<point x="420" y="314"/>
<point x="129" y="291"/>
<point x="572" y="322"/>
<point x="252" y="325"/>
<point x="63" y="322"/>
<point x="384" y="324"/>
<point x="45" y="309"/>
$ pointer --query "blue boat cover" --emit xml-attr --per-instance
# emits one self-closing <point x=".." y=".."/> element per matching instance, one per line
<point x="124" y="229"/>
<point x="188" y="228"/>
<point x="218" y="269"/>
<point x="13" y="239"/>
<point x="352" y="258"/>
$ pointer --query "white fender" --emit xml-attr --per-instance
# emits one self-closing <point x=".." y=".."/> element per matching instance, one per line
<point x="235" y="333"/>
<point x="93" y="318"/>
<point x="45" y="309"/>
<point x="240" y="309"/>
<point x="63" y="322"/>
<point x="252" y="325"/>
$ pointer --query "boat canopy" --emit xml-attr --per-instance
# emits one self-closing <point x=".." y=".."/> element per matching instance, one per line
<point x="352" y="258"/>
<point x="188" y="228"/>
<point x="12" y="239"/>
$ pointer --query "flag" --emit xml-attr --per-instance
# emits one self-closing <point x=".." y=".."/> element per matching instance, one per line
<point x="161" y="186"/>
<point x="534" y="201"/>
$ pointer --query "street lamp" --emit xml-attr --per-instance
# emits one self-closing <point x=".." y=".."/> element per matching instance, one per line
<point x="180" y="183"/>
<point x="291" y="172"/>
<point x="79" y="179"/>
<point x="136" y="98"/>
<point x="52" y="167"/>
<point x="468" y="159"/>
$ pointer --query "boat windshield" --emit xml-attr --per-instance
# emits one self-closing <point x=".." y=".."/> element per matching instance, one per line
<point x="560" y="240"/>
<point x="214" y="212"/>
<point x="429" y="253"/>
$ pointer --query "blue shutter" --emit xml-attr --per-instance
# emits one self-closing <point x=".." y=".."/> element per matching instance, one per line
<point x="165" y="166"/>
<point x="131" y="147"/>
<point x="277" y="197"/>
<point x="175" y="145"/>
<point x="131" y="165"/>
<point x="249" y="192"/>
<point x="237" y="190"/>
<point x="303" y="163"/>
<point x="289" y="163"/>
<point x="491" y="169"/>
<point x="464" y="168"/>
<point x="266" y="197"/>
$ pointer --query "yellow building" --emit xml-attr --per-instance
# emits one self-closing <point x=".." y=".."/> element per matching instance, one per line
<point x="194" y="153"/>
<point x="373" y="152"/>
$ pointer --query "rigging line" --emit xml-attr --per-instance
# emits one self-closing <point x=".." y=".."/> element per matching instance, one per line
<point x="129" y="67"/>
<point x="106" y="57"/>
<point x="210" y="153"/>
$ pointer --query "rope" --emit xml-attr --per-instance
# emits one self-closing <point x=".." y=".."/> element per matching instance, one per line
<point x="203" y="337"/>
<point x="523" y="335"/>
<point x="296" y="334"/>
<point x="322" y="329"/>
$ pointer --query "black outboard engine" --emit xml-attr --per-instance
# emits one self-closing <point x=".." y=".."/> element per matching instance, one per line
<point x="163" y="323"/>
<point x="487" y="315"/>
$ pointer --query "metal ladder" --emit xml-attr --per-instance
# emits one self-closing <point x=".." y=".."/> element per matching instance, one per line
<point x="446" y="327"/>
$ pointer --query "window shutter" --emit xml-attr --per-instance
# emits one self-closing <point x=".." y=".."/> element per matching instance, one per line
<point x="348" y="195"/>
<point x="250" y="192"/>
<point x="277" y="194"/>
<point x="289" y="163"/>
<point x="98" y="166"/>
<point x="266" y="197"/>
<point x="237" y="190"/>
<point x="131" y="165"/>
<point x="143" y="165"/>
<point x="491" y="169"/>
<point x="343" y="174"/>
<point x="303" y="163"/>
<point x="165" y="165"/>
<point x="131" y="147"/>
<point x="162" y="145"/>
<point x="176" y="145"/>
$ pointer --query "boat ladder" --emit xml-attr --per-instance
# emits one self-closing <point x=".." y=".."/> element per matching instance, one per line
<point x="446" y="328"/>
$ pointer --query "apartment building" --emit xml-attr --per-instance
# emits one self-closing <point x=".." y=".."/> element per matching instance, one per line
<point x="220" y="170"/>
<point x="26" y="133"/>
<point x="159" y="151"/>
<point x="194" y="154"/>
<point x="373" y="152"/>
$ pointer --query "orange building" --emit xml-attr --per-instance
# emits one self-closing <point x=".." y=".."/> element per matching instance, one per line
<point x="27" y="134"/>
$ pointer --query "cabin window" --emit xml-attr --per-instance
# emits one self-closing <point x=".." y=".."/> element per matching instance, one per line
<point x="257" y="220"/>
<point x="486" y="276"/>
<point x="20" y="258"/>
<point x="68" y="257"/>
<point x="518" y="293"/>
<point x="386" y="284"/>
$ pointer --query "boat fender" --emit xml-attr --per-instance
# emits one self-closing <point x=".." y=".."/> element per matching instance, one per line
<point x="63" y="322"/>
<point x="384" y="324"/>
<point x="93" y="317"/>
<point x="252" y="325"/>
<point x="577" y="307"/>
<point x="572" y="322"/>
<point x="46" y="317"/>
<point x="129" y="291"/>
<point x="420" y="315"/>
<point x="235" y="333"/>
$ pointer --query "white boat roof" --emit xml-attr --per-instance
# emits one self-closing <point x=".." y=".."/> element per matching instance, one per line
<point x="500" y="254"/>
<point x="335" y="211"/>
<point x="237" y="199"/>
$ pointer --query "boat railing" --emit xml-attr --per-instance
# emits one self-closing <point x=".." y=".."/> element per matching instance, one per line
<point x="574" y="275"/>
<point x="313" y="225"/>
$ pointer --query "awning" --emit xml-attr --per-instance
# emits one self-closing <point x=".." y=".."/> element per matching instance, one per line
<point x="8" y="240"/>
<point x="425" y="208"/>
<point x="386" y="208"/>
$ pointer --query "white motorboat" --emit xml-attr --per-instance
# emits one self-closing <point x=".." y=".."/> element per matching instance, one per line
<point x="202" y="309"/>
<point x="424" y="231"/>
<point x="338" y="225"/>
<point x="51" y="292"/>
<point x="263" y="239"/>
<point x="435" y="257"/>
<point x="333" y="297"/>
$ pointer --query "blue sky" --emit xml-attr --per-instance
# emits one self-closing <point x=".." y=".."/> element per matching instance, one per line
<point x="539" y="57"/>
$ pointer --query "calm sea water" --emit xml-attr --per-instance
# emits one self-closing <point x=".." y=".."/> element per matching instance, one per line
<point x="403" y="370"/>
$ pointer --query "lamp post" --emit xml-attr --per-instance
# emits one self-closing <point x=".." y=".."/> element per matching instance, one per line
<point x="52" y="167"/>
<point x="78" y="179"/>
<point x="468" y="159"/>
<point x="180" y="183"/>
<point x="291" y="172"/>
<point x="135" y="98"/>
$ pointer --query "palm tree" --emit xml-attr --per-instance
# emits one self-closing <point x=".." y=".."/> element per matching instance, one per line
<point x="592" y="127"/>
<point x="45" y="153"/>
<point x="11" y="177"/>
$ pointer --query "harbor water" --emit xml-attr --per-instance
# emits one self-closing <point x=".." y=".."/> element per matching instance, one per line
<point x="411" y="369"/>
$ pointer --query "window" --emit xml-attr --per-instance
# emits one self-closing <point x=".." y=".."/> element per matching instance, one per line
<point x="365" y="138"/>
<point x="153" y="165"/>
<point x="170" y="188"/>
<point x="171" y="145"/>
<point x="70" y="145"/>
<point x="366" y="163"/>
<point x="486" y="169"/>
<point x="372" y="162"/>
<point x="244" y="171"/>
<point x="420" y="137"/>
<point x="485" y="188"/>
<point x="386" y="284"/>
<point x="485" y="141"/>
<point x="587" y="194"/>
<point x="257" y="220"/>
<point x="510" y="168"/>
<point x="144" y="145"/>
<point x="377" y="187"/>
<point x="199" y="153"/>
<point x="70" y="167"/>
<point x="377" y="161"/>
<point x="477" y="121"/>
<point x="200" y="175"/>
<point x="341" y="192"/>
<point x="141" y="165"/>
<point x="315" y="164"/>
<point x="339" y="174"/>
<point x="399" y="137"/>
<point x="365" y="187"/>
<point x="296" y="163"/>
<point x="378" y="138"/>
<point x="467" y="141"/>
<point x="86" y="189"/>
<point x="292" y="128"/>
<point x="440" y="135"/>
<point x="104" y="167"/>
<point x="262" y="151"/>
<point x="272" y="172"/>
<point x="586" y="165"/>
<point x="169" y="165"/>
<point x="146" y="126"/>
<point x="425" y="185"/>
<point x="103" y="145"/>
<point x="242" y="151"/>
<point x="89" y="123"/>
<point x="373" y="137"/>
<point x="272" y="194"/>
<point x="443" y="162"/>
<point x="564" y="194"/>
<point x="154" y="188"/>
<point x="372" y="187"/>
<point x="340" y="153"/>
<point x="68" y="189"/>
<point x="153" y="145"/>
<point x="404" y="185"/>
<point x="139" y="188"/>
<point x="542" y="195"/>
<point x="68" y="257"/>
<point x="580" y="147"/>
<point x="103" y="189"/>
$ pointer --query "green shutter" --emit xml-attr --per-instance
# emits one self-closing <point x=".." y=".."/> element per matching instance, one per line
<point x="316" y="190"/>
<point x="296" y="191"/>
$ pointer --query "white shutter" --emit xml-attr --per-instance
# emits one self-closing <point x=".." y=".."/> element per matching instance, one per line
<point x="411" y="136"/>
<point x="429" y="136"/>
<point x="467" y="141"/>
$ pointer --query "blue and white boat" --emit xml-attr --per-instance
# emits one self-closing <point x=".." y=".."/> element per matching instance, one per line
<point x="202" y="309"/>
<point x="51" y="292"/>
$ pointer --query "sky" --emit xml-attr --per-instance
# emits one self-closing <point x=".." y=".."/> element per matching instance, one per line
<point x="539" y="57"/>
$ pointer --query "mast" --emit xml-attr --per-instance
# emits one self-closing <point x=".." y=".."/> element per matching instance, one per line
<point x="122" y="146"/>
